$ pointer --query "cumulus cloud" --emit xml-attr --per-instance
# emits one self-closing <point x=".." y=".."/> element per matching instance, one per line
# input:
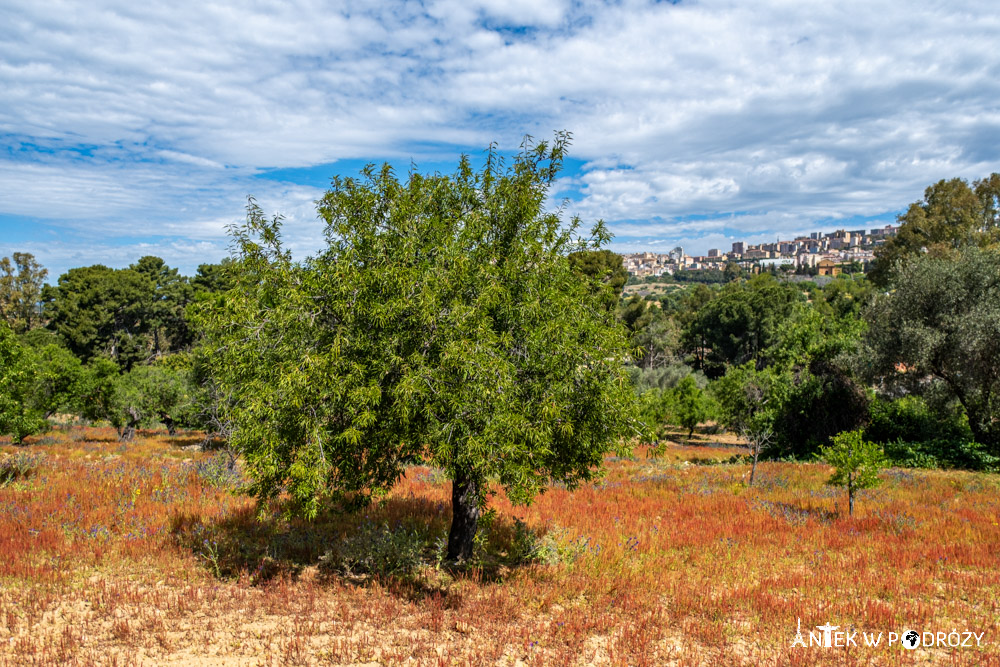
<point x="152" y="120"/>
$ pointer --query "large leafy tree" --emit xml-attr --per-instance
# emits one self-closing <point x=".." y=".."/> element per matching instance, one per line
<point x="937" y="331"/>
<point x="741" y="324"/>
<point x="164" y="313"/>
<point x="100" y="311"/>
<point x="443" y="323"/>
<point x="953" y="214"/>
<point x="21" y="282"/>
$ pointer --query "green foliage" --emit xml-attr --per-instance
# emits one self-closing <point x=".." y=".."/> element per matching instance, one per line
<point x="741" y="324"/>
<point x="937" y="333"/>
<point x="163" y="315"/>
<point x="915" y="434"/>
<point x="443" y="322"/>
<point x="750" y="402"/>
<point x="823" y="396"/>
<point x="21" y="282"/>
<point x="101" y="312"/>
<point x="605" y="271"/>
<point x="951" y="216"/>
<point x="136" y="399"/>
<point x="692" y="405"/>
<point x="732" y="272"/>
<point x="19" y="466"/>
<point x="211" y="278"/>
<point x="708" y="276"/>
<point x="822" y="400"/>
<point x="59" y="381"/>
<point x="911" y="419"/>
<point x="856" y="463"/>
<point x="379" y="549"/>
<point x="19" y="414"/>
<point x="656" y="410"/>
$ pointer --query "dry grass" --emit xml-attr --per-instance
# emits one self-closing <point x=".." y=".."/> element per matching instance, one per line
<point x="135" y="555"/>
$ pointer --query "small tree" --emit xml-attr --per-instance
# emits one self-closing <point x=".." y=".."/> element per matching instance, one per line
<point x="750" y="401"/>
<point x="18" y="414"/>
<point x="139" y="398"/>
<point x="442" y="323"/>
<point x="691" y="404"/>
<point x="856" y="463"/>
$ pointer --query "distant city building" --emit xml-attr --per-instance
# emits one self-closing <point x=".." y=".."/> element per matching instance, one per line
<point x="823" y="251"/>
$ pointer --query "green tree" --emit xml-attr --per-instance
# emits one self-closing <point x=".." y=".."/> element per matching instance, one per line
<point x="741" y="323"/>
<point x="691" y="404"/>
<point x="21" y="282"/>
<point x="18" y="414"/>
<point x="656" y="410"/>
<point x="856" y="463"/>
<point x="103" y="312"/>
<point x="211" y="278"/>
<point x="732" y="272"/>
<point x="443" y="323"/>
<point x="937" y="331"/>
<point x="824" y="397"/>
<point x="164" y="314"/>
<point x="139" y="398"/>
<point x="59" y="381"/>
<point x="750" y="401"/>
<point x="952" y="214"/>
<point x="605" y="271"/>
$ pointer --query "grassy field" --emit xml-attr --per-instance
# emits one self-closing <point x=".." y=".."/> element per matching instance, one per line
<point x="140" y="554"/>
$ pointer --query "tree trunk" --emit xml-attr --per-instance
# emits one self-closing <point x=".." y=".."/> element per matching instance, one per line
<point x="127" y="432"/>
<point x="464" y="517"/>
<point x="169" y="423"/>
<point x="850" y="496"/>
<point x="753" y="468"/>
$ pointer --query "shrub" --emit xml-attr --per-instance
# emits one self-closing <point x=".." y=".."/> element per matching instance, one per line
<point x="378" y="549"/>
<point x="911" y="419"/>
<point x="19" y="466"/>
<point x="856" y="463"/>
<point x="220" y="471"/>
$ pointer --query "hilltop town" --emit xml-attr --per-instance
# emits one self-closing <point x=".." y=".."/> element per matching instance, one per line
<point x="823" y="252"/>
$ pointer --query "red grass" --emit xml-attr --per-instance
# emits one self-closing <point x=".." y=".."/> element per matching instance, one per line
<point x="110" y="555"/>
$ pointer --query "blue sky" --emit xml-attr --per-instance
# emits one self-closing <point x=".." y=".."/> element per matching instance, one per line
<point x="140" y="128"/>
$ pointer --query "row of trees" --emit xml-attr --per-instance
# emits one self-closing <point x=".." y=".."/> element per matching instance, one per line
<point x="102" y="344"/>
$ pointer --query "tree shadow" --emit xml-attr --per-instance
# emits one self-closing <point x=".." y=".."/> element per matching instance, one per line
<point x="398" y="543"/>
<point x="186" y="440"/>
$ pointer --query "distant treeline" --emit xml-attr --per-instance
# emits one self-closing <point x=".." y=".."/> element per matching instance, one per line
<point x="908" y="353"/>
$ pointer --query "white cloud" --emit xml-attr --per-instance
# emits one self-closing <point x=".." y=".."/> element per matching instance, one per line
<point x="143" y="119"/>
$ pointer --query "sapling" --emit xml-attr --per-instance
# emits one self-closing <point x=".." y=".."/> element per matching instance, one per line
<point x="856" y="463"/>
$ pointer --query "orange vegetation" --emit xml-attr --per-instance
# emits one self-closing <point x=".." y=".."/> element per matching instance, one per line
<point x="140" y="554"/>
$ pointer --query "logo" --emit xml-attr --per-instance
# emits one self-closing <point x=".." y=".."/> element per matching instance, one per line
<point x="827" y="636"/>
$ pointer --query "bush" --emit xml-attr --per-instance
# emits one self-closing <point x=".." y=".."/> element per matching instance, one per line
<point x="19" y="466"/>
<point x="941" y="453"/>
<point x="380" y="550"/>
<point x="916" y="435"/>
<point x="219" y="471"/>
<point x="911" y="419"/>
